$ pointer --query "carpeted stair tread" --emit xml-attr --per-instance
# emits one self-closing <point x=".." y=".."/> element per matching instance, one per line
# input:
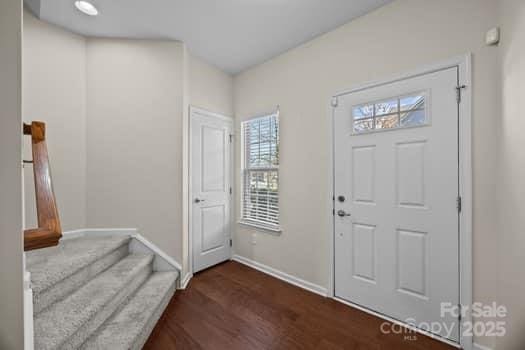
<point x="129" y="328"/>
<point x="51" y="265"/>
<point x="69" y="322"/>
<point x="75" y="281"/>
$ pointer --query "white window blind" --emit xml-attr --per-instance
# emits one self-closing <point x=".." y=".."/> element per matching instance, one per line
<point x="260" y="192"/>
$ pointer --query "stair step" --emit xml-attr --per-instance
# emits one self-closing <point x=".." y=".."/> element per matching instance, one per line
<point x="52" y="266"/>
<point x="69" y="322"/>
<point x="45" y="298"/>
<point x="130" y="327"/>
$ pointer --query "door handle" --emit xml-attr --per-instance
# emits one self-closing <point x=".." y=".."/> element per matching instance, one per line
<point x="198" y="200"/>
<point x="343" y="213"/>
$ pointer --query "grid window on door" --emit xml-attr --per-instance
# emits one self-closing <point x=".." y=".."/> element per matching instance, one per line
<point x="260" y="190"/>
<point x="391" y="113"/>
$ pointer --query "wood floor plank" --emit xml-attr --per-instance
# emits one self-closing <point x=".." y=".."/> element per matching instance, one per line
<point x="232" y="306"/>
<point x="267" y="321"/>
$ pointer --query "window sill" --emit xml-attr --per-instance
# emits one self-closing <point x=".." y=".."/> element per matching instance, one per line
<point x="263" y="227"/>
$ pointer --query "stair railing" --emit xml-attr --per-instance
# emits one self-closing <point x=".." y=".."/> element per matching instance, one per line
<point x="49" y="231"/>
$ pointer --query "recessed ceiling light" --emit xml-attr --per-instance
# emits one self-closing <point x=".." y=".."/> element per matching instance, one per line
<point x="86" y="7"/>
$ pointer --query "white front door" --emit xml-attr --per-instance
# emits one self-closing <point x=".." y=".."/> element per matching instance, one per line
<point x="210" y="188"/>
<point x="396" y="191"/>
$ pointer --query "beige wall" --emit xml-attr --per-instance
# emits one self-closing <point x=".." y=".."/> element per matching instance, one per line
<point x="11" y="247"/>
<point x="209" y="87"/>
<point x="54" y="92"/>
<point x="134" y="123"/>
<point x="139" y="93"/>
<point x="114" y="112"/>
<point x="136" y="107"/>
<point x="511" y="172"/>
<point x="399" y="37"/>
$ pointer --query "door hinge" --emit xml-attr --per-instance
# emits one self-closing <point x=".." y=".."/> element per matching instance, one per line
<point x="333" y="212"/>
<point x="231" y="191"/>
<point x="458" y="204"/>
<point x="231" y="242"/>
<point x="460" y="312"/>
<point x="334" y="102"/>
<point x="458" y="92"/>
<point x="231" y="138"/>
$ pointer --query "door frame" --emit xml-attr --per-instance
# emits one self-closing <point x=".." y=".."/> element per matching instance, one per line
<point x="189" y="203"/>
<point x="464" y="64"/>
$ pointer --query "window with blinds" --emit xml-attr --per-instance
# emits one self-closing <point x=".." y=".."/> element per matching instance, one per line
<point x="260" y="191"/>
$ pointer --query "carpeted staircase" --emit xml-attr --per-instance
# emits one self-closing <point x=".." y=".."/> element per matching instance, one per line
<point x="95" y="292"/>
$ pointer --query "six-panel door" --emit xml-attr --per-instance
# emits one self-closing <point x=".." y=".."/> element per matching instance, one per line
<point x="396" y="164"/>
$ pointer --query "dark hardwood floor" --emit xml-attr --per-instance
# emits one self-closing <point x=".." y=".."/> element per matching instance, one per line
<point x="232" y="306"/>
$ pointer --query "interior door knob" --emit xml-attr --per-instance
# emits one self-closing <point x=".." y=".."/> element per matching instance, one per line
<point x="343" y="213"/>
<point x="198" y="200"/>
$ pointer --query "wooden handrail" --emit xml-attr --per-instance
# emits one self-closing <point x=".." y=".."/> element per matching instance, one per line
<point x="49" y="230"/>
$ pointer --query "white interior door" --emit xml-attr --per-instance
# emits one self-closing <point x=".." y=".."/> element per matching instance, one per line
<point x="210" y="188"/>
<point x="396" y="191"/>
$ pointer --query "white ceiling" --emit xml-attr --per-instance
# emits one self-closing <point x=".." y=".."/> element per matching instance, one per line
<point x="231" y="34"/>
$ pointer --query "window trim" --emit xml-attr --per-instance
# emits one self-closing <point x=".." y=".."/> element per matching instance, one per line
<point x="252" y="223"/>
<point x="261" y="225"/>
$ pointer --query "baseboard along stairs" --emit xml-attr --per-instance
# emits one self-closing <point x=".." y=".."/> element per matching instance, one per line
<point x="98" y="291"/>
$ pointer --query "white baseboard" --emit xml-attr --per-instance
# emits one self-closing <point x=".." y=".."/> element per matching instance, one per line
<point x="28" y="312"/>
<point x="296" y="281"/>
<point x="184" y="282"/>
<point x="480" y="347"/>
<point x="166" y="259"/>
